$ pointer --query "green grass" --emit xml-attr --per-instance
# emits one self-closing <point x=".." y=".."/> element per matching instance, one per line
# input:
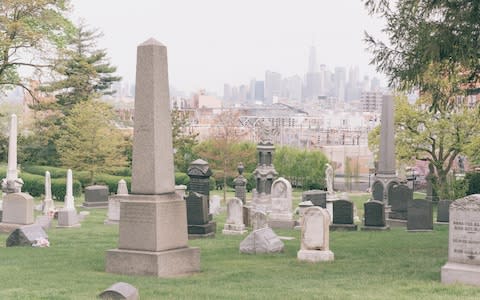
<point x="368" y="265"/>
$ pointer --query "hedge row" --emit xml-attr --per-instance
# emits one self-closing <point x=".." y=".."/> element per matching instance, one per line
<point x="35" y="186"/>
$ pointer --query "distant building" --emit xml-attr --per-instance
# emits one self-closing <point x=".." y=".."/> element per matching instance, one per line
<point x="273" y="86"/>
<point x="314" y="79"/>
<point x="371" y="101"/>
<point x="259" y="91"/>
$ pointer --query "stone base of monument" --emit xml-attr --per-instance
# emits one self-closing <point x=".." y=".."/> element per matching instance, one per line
<point x="95" y="204"/>
<point x="202" y="231"/>
<point x="234" y="229"/>
<point x="374" y="228"/>
<point x="343" y="227"/>
<point x="67" y="219"/>
<point x="315" y="255"/>
<point x="111" y="222"/>
<point x="460" y="273"/>
<point x="396" y="223"/>
<point x="167" y="263"/>
<point x="18" y="209"/>
<point x="281" y="224"/>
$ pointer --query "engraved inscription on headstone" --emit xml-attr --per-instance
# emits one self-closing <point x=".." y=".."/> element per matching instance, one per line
<point x="342" y="212"/>
<point x="374" y="213"/>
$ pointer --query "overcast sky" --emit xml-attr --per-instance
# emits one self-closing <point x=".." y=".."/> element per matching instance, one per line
<point x="212" y="42"/>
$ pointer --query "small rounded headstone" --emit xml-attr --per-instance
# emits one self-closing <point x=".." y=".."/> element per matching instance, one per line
<point x="120" y="290"/>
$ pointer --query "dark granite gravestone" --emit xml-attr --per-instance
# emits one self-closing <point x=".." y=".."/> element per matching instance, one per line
<point x="96" y="196"/>
<point x="199" y="173"/>
<point x="240" y="183"/>
<point x="198" y="220"/>
<point x="26" y="235"/>
<point x="343" y="216"/>
<point x="374" y="212"/>
<point x="317" y="197"/>
<point x="399" y="195"/>
<point x="443" y="215"/>
<point x="120" y="291"/>
<point x="420" y="216"/>
<point x="377" y="191"/>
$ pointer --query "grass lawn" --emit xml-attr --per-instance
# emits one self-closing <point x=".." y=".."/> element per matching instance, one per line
<point x="368" y="265"/>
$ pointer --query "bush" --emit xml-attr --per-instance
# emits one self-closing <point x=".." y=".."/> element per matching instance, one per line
<point x="35" y="186"/>
<point x="55" y="172"/>
<point x="473" y="180"/>
<point x="59" y="188"/>
<point x="181" y="178"/>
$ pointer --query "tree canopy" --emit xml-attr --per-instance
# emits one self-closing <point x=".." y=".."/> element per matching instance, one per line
<point x="425" y="32"/>
<point x="30" y="33"/>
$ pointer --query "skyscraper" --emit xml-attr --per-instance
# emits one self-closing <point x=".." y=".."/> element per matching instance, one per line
<point x="259" y="90"/>
<point x="313" y="78"/>
<point x="273" y="86"/>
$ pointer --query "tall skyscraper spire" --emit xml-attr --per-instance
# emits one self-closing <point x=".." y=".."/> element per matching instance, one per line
<point x="312" y="60"/>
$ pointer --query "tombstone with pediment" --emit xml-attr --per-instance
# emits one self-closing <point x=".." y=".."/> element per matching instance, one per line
<point x="281" y="215"/>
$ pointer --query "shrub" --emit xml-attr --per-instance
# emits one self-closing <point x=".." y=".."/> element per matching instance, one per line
<point x="55" y="172"/>
<point x="59" y="188"/>
<point x="473" y="179"/>
<point x="181" y="178"/>
<point x="35" y="186"/>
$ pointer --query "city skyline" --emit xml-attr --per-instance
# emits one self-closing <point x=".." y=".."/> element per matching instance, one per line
<point x="213" y="42"/>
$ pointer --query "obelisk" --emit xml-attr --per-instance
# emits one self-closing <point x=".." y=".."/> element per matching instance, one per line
<point x="386" y="173"/>
<point x="153" y="236"/>
<point x="48" y="204"/>
<point x="12" y="184"/>
<point x="67" y="216"/>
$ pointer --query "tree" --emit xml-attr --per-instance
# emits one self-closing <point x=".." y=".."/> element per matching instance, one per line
<point x="223" y="153"/>
<point x="183" y="140"/>
<point x="424" y="32"/>
<point x="90" y="141"/>
<point x="30" y="32"/>
<point x="84" y="70"/>
<point x="438" y="137"/>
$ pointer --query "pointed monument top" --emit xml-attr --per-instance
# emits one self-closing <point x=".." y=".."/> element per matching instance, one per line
<point x="151" y="42"/>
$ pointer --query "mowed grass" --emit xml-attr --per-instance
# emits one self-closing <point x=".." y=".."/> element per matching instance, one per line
<point x="368" y="265"/>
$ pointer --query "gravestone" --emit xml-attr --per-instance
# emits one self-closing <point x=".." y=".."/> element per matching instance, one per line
<point x="315" y="237"/>
<point x="240" y="183"/>
<point x="377" y="190"/>
<point x="374" y="216"/>
<point x="399" y="196"/>
<point x="96" y="196"/>
<point x="234" y="223"/>
<point x="281" y="215"/>
<point x="215" y="205"/>
<point x="12" y="183"/>
<point x="443" y="207"/>
<point x="26" y="235"/>
<point x="420" y="215"/>
<point x="463" y="265"/>
<point x="259" y="220"/>
<point x="261" y="241"/>
<point x="317" y="197"/>
<point x="199" y="173"/>
<point x="67" y="216"/>
<point x="48" y="204"/>
<point x="120" y="291"/>
<point x="113" y="213"/>
<point x="44" y="221"/>
<point x="18" y="209"/>
<point x="343" y="216"/>
<point x="153" y="235"/>
<point x="199" y="224"/>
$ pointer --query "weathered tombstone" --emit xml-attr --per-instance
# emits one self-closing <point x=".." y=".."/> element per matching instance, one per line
<point x="18" y="209"/>
<point x="199" y="224"/>
<point x="265" y="172"/>
<point x="199" y="173"/>
<point x="315" y="237"/>
<point x="420" y="215"/>
<point x="399" y="196"/>
<point x="96" y="196"/>
<point x="44" y="221"/>
<point x="259" y="220"/>
<point x="48" y="204"/>
<point x="67" y="216"/>
<point x="343" y="216"/>
<point x="26" y="235"/>
<point x="443" y="207"/>
<point x="234" y="224"/>
<point x="120" y="291"/>
<point x="12" y="183"/>
<point x="374" y="216"/>
<point x="240" y="183"/>
<point x="281" y="215"/>
<point x="260" y="241"/>
<point x="214" y="205"/>
<point x="463" y="265"/>
<point x="153" y="236"/>
<point x="377" y="190"/>
<point x="113" y="213"/>
<point x="317" y="197"/>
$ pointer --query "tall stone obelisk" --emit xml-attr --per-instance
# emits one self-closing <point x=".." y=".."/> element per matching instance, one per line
<point x="153" y="219"/>
<point x="12" y="184"/>
<point x="386" y="173"/>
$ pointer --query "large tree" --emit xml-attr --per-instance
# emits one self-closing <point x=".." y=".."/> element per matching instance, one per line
<point x="90" y="141"/>
<point x="30" y="33"/>
<point x="425" y="32"/>
<point x="184" y="139"/>
<point x="83" y="71"/>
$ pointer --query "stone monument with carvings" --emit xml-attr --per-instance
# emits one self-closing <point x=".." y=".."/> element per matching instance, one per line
<point x="153" y="237"/>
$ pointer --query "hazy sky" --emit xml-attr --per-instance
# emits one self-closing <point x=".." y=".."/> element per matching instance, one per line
<point x="212" y="42"/>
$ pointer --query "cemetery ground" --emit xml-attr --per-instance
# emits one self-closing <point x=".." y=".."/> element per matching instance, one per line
<point x="391" y="264"/>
